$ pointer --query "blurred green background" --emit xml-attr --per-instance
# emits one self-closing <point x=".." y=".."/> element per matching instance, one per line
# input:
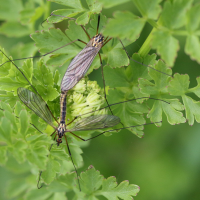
<point x="165" y="163"/>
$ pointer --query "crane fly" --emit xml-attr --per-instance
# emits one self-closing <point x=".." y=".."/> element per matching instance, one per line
<point x="35" y="102"/>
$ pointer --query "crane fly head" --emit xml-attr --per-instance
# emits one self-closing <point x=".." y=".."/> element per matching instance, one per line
<point x="59" y="140"/>
<point x="61" y="131"/>
<point x="98" y="40"/>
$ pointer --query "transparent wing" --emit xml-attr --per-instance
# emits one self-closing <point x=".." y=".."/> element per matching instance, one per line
<point x="78" y="67"/>
<point x="36" y="104"/>
<point x="96" y="122"/>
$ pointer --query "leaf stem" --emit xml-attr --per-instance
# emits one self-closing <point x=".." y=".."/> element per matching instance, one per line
<point x="146" y="47"/>
<point x="47" y="10"/>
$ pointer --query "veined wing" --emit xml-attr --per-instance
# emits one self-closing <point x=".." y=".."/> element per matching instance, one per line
<point x="78" y="67"/>
<point x="96" y="122"/>
<point x="36" y="104"/>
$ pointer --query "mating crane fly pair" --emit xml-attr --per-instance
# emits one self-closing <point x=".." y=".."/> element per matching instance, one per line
<point x="76" y="71"/>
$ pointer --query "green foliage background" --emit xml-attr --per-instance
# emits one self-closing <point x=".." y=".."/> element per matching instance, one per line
<point x="165" y="162"/>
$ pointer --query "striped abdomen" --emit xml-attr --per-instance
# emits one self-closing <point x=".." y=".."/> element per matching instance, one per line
<point x="63" y="107"/>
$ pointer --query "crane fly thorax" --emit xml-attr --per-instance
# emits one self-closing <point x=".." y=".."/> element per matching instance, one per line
<point x="98" y="40"/>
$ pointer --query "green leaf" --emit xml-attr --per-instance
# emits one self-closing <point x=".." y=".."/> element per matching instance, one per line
<point x="112" y="191"/>
<point x="161" y="80"/>
<point x="192" y="109"/>
<point x="130" y="113"/>
<point x="38" y="151"/>
<point x="75" y="152"/>
<point x="73" y="4"/>
<point x="149" y="9"/>
<point x="56" y="77"/>
<point x="170" y="110"/>
<point x="193" y="19"/>
<point x="116" y="78"/>
<point x="30" y="14"/>
<point x="9" y="115"/>
<point x="112" y="3"/>
<point x="69" y="180"/>
<point x="37" y="160"/>
<point x="91" y="180"/>
<point x="83" y="19"/>
<point x="24" y="51"/>
<point x="8" y="97"/>
<point x="49" y="93"/>
<point x="45" y="78"/>
<point x="27" y="70"/>
<point x="43" y="74"/>
<point x="179" y="85"/>
<point x="174" y="13"/>
<point x="124" y="25"/>
<point x="192" y="47"/>
<point x="117" y="58"/>
<point x="196" y="89"/>
<point x="38" y="194"/>
<point x="49" y="174"/>
<point x="3" y="157"/>
<point x="24" y="123"/>
<point x="14" y="29"/>
<point x="62" y="14"/>
<point x="4" y="68"/>
<point x="9" y="85"/>
<point x="166" y="45"/>
<point x="16" y="187"/>
<point x="6" y="129"/>
<point x="160" y="89"/>
<point x="53" y="39"/>
<point x="8" y="12"/>
<point x="5" y="106"/>
<point x="94" y="6"/>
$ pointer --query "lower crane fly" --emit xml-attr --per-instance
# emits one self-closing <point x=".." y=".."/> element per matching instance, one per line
<point x="40" y="108"/>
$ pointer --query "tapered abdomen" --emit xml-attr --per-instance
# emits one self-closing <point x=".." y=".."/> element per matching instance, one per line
<point x="63" y="106"/>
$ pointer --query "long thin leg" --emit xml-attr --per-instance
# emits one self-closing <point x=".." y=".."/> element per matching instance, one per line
<point x="41" y="172"/>
<point x="78" y="136"/>
<point x="36" y="128"/>
<point x="106" y="41"/>
<point x="122" y="102"/>
<point x="120" y="129"/>
<point x="141" y="63"/>
<point x="53" y="133"/>
<point x="72" y="162"/>
<point x="71" y="121"/>
<point x="104" y="85"/>
<point x="98" y="24"/>
<point x="108" y="107"/>
<point x="110" y="131"/>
